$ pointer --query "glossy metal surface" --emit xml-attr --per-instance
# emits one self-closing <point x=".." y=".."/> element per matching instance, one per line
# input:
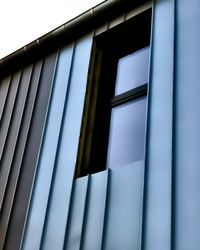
<point x="38" y="204"/>
<point x="59" y="199"/>
<point x="93" y="228"/>
<point x="122" y="228"/>
<point x="187" y="128"/>
<point x="76" y="214"/>
<point x="107" y="210"/>
<point x="159" y="148"/>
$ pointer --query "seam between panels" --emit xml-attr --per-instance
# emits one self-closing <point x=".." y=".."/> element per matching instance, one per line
<point x="10" y="122"/>
<point x="41" y="143"/>
<point x="4" y="188"/>
<point x="173" y="164"/>
<point x="86" y="206"/>
<point x="19" y="170"/>
<point x="69" y="215"/>
<point x="57" y="151"/>
<point x="13" y="92"/>
<point x="88" y="184"/>
<point x="19" y="120"/>
<point x="106" y="210"/>
<point x="5" y="92"/>
<point x="9" y="175"/>
<point x="147" y="136"/>
<point x="85" y="214"/>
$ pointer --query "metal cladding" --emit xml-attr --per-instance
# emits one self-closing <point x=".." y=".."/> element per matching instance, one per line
<point x="22" y="127"/>
<point x="150" y="205"/>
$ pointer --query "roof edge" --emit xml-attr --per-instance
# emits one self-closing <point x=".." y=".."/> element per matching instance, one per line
<point x="69" y="31"/>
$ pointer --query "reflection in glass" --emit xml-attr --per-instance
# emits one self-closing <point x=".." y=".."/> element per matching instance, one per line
<point x="132" y="71"/>
<point x="127" y="133"/>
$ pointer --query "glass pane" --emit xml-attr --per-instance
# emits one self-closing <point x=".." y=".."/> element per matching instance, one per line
<point x="127" y="132"/>
<point x="132" y="71"/>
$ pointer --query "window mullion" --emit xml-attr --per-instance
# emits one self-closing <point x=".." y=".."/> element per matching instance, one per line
<point x="129" y="95"/>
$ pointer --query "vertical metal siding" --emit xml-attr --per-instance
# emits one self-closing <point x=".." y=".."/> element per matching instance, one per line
<point x="87" y="212"/>
<point x="104" y="210"/>
<point x="19" y="152"/>
<point x="14" y="130"/>
<point x="21" y="200"/>
<point x="95" y="210"/>
<point x="60" y="193"/>
<point x="124" y="208"/>
<point x="38" y="205"/>
<point x="158" y="181"/>
<point x="76" y="214"/>
<point x="187" y="128"/>
<point x="10" y="101"/>
<point x="4" y="86"/>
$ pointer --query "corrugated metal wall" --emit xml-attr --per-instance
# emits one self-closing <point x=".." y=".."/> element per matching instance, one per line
<point x="151" y="206"/>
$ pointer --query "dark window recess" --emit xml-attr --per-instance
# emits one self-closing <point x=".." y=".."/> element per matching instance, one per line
<point x="113" y="127"/>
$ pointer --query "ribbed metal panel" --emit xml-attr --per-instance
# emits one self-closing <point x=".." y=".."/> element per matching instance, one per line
<point x="14" y="162"/>
<point x="123" y="224"/>
<point x="159" y="150"/>
<point x="28" y="166"/>
<point x="38" y="205"/>
<point x="19" y="152"/>
<point x="4" y="86"/>
<point x="95" y="210"/>
<point x="14" y="130"/>
<point x="10" y="102"/>
<point x="76" y="214"/>
<point x="60" y="193"/>
<point x="149" y="205"/>
<point x="187" y="127"/>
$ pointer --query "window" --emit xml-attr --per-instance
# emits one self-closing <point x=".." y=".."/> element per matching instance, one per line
<point x="128" y="110"/>
<point x="113" y="128"/>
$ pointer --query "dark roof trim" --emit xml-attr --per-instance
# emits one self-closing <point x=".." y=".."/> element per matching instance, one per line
<point x="68" y="32"/>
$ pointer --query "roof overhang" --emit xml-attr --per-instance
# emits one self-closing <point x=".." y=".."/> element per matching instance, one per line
<point x="68" y="32"/>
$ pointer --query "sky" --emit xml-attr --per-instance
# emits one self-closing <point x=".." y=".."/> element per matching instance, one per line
<point x="23" y="21"/>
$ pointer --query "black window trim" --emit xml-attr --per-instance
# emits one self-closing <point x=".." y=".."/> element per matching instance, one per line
<point x="95" y="128"/>
<point x="129" y="95"/>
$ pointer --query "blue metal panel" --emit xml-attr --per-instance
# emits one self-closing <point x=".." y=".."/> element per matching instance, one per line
<point x="187" y="199"/>
<point x="76" y="214"/>
<point x="35" y="222"/>
<point x="58" y="206"/>
<point x="124" y="208"/>
<point x="157" y="210"/>
<point x="95" y="211"/>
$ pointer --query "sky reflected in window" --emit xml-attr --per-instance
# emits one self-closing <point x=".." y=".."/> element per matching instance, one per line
<point x="127" y="133"/>
<point x="132" y="71"/>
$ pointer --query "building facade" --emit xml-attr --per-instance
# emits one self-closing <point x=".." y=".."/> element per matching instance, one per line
<point x="100" y="132"/>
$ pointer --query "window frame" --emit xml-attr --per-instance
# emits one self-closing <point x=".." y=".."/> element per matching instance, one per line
<point x="101" y="81"/>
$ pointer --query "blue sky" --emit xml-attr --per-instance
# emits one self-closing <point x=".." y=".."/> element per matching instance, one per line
<point x="23" y="21"/>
